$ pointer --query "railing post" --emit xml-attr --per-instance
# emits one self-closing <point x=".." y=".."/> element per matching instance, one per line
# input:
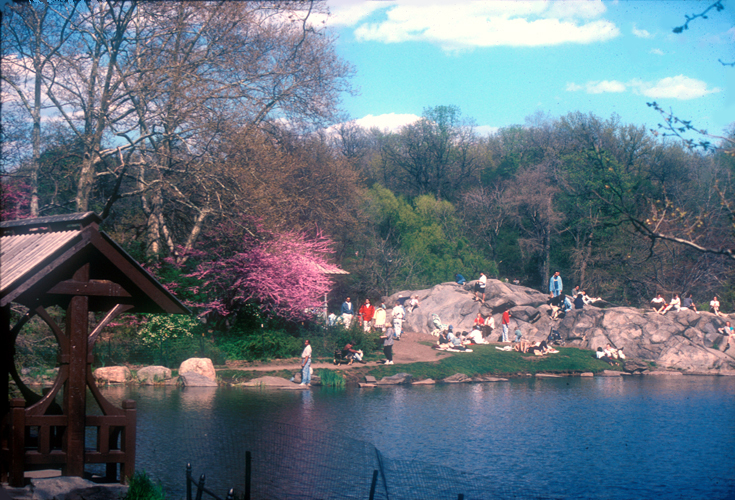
<point x="188" y="481"/>
<point x="127" y="443"/>
<point x="248" y="475"/>
<point x="17" y="442"/>
<point x="373" y="484"/>
<point x="200" y="487"/>
<point x="231" y="494"/>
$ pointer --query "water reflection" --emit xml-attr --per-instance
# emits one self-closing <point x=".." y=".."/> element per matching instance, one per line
<point x="615" y="438"/>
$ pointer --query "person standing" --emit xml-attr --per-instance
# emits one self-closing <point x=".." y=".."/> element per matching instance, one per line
<point x="306" y="364"/>
<point x="714" y="307"/>
<point x="398" y="315"/>
<point x="388" y="340"/>
<point x="555" y="285"/>
<point x="506" y="325"/>
<point x="367" y="311"/>
<point x="379" y="318"/>
<point x="480" y="287"/>
<point x="347" y="312"/>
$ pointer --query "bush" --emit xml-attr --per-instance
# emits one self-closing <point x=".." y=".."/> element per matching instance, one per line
<point x="142" y="487"/>
<point x="261" y="345"/>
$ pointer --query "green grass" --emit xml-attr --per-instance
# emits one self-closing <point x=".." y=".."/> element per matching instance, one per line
<point x="486" y="360"/>
<point x="330" y="378"/>
<point x="142" y="487"/>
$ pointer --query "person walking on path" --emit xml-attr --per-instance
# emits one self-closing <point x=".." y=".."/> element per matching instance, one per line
<point x="480" y="287"/>
<point x="306" y="364"/>
<point x="555" y="285"/>
<point x="379" y="317"/>
<point x="388" y="341"/>
<point x="367" y="311"/>
<point x="347" y="312"/>
<point x="506" y="325"/>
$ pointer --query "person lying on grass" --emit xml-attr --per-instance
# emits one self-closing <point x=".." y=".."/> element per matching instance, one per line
<point x="535" y="348"/>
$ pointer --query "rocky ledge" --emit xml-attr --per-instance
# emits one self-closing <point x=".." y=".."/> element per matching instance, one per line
<point x="683" y="341"/>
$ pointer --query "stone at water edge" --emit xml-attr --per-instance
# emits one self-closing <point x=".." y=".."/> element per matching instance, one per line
<point x="202" y="366"/>
<point x="193" y="379"/>
<point x="113" y="374"/>
<point x="397" y="379"/>
<point x="150" y="375"/>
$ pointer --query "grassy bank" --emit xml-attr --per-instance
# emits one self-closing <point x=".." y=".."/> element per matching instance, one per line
<point x="484" y="360"/>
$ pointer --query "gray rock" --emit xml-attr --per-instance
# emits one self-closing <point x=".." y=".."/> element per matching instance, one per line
<point x="113" y="374"/>
<point x="681" y="341"/>
<point x="151" y="375"/>
<point x="193" y="379"/>
<point x="457" y="378"/>
<point x="75" y="488"/>
<point x="426" y="381"/>
<point x="370" y="379"/>
<point x="397" y="379"/>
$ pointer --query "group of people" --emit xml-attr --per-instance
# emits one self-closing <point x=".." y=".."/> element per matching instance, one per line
<point x="610" y="354"/>
<point x="372" y="318"/>
<point x="658" y="303"/>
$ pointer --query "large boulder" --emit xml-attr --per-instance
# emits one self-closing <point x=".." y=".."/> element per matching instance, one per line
<point x="194" y="379"/>
<point x="684" y="341"/>
<point x="202" y="366"/>
<point x="151" y="375"/>
<point x="113" y="374"/>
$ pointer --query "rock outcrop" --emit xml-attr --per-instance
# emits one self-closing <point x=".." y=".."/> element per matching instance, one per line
<point x="684" y="341"/>
<point x="113" y="374"/>
<point x="151" y="375"/>
<point x="202" y="366"/>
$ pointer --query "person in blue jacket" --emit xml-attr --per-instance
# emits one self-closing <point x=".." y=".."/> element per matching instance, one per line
<point x="555" y="285"/>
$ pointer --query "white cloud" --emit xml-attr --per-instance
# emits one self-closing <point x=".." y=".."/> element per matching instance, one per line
<point x="641" y="33"/>
<point x="658" y="52"/>
<point x="348" y="12"/>
<point x="464" y="25"/>
<point x="389" y="121"/>
<point x="605" y="86"/>
<point x="486" y="130"/>
<point x="673" y="87"/>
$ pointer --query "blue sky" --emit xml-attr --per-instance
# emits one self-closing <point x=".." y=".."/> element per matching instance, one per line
<point x="503" y="61"/>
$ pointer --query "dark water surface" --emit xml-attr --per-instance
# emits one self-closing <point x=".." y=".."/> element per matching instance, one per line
<point x="617" y="438"/>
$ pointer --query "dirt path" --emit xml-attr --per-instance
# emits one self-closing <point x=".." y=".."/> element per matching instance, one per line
<point x="407" y="350"/>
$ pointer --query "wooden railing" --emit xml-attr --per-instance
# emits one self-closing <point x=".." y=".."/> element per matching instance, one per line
<point x="28" y="441"/>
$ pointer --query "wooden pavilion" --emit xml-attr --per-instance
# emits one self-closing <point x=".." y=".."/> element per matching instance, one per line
<point x="66" y="261"/>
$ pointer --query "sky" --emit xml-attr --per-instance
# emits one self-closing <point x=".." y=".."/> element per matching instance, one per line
<point x="502" y="62"/>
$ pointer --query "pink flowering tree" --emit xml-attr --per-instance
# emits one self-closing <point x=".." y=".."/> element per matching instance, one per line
<point x="285" y="274"/>
<point x="14" y="200"/>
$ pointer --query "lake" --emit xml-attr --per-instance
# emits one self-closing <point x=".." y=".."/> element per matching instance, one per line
<point x="602" y="437"/>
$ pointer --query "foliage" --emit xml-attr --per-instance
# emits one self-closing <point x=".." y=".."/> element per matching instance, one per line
<point x="14" y="200"/>
<point x="142" y="487"/>
<point x="284" y="273"/>
<point x="262" y="345"/>
<point x="330" y="378"/>
<point x="159" y="328"/>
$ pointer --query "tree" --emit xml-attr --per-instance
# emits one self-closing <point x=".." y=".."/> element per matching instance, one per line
<point x="283" y="273"/>
<point x="436" y="155"/>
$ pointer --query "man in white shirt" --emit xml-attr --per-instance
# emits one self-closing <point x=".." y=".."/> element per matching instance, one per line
<point x="306" y="364"/>
<point x="480" y="287"/>
<point x="398" y="314"/>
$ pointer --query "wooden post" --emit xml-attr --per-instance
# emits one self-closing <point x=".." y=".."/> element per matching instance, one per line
<point x="17" y="442"/>
<point x="248" y="474"/>
<point x="127" y="468"/>
<point x="6" y="358"/>
<point x="75" y="390"/>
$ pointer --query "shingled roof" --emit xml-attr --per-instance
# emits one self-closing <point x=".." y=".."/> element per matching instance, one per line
<point x="38" y="258"/>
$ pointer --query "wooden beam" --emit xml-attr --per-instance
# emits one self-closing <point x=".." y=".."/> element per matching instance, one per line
<point x="97" y="288"/>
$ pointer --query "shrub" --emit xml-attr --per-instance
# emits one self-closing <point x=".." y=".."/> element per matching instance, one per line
<point x="142" y="487"/>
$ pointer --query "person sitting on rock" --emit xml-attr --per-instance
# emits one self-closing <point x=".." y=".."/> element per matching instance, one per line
<point x="479" y="320"/>
<point x="675" y="304"/>
<point x="579" y="302"/>
<point x="601" y="354"/>
<point x="688" y="303"/>
<point x="413" y="303"/>
<point x="714" y="307"/>
<point x="488" y="326"/>
<point x="556" y="306"/>
<point x="566" y="306"/>
<point x="460" y="279"/>
<point x="658" y="304"/>
<point x="353" y="355"/>
<point x="728" y="331"/>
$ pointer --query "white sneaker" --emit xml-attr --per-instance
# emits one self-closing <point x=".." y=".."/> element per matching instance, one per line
<point x="389" y="363"/>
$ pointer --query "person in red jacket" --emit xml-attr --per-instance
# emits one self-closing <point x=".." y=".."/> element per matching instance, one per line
<point x="506" y="325"/>
<point x="367" y="311"/>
